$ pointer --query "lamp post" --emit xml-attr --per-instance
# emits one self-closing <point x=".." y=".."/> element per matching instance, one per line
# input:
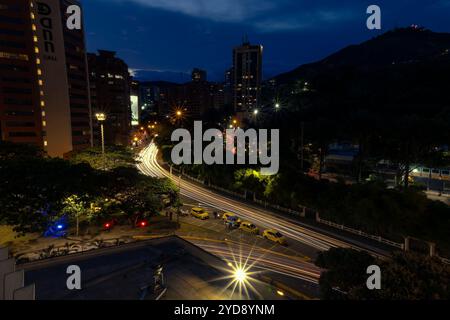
<point x="101" y="117"/>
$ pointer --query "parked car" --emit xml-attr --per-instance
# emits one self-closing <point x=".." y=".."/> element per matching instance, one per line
<point x="200" y="213"/>
<point x="233" y="222"/>
<point x="228" y="215"/>
<point x="249" y="227"/>
<point x="274" y="236"/>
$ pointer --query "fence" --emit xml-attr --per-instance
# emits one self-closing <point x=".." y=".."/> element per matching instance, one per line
<point x="242" y="196"/>
<point x="279" y="208"/>
<point x="359" y="232"/>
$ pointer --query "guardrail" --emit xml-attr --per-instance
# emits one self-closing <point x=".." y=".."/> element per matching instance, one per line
<point x="444" y="260"/>
<point x="360" y="233"/>
<point x="279" y="208"/>
<point x="236" y="194"/>
<point x="194" y="179"/>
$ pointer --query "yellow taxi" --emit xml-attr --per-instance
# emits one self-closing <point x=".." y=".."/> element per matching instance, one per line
<point x="249" y="227"/>
<point x="200" y="213"/>
<point x="274" y="236"/>
<point x="227" y="215"/>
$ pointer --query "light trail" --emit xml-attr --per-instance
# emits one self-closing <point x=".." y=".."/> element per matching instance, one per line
<point x="258" y="259"/>
<point x="149" y="165"/>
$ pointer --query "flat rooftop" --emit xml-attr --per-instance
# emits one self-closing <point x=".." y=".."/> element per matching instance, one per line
<point x="120" y="273"/>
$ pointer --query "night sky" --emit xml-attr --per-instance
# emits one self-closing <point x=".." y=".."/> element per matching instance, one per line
<point x="165" y="39"/>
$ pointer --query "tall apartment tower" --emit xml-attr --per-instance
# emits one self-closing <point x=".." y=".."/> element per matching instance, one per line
<point x="110" y="84"/>
<point x="44" y="97"/>
<point x="198" y="75"/>
<point x="247" y="76"/>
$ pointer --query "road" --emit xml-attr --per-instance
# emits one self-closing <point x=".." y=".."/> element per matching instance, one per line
<point x="297" y="234"/>
<point x="257" y="259"/>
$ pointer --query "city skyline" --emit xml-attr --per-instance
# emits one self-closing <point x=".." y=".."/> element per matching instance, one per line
<point x="238" y="170"/>
<point x="150" y="35"/>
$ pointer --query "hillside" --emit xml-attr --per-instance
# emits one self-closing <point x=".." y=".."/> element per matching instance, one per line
<point x="399" y="46"/>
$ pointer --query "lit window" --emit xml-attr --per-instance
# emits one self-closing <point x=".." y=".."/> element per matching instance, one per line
<point x="44" y="123"/>
<point x="41" y="93"/>
<point x="35" y="39"/>
<point x="42" y="103"/>
<point x="38" y="61"/>
<point x="9" y="55"/>
<point x="40" y="82"/>
<point x="33" y="27"/>
<point x="45" y="143"/>
<point x="32" y="15"/>
<point x="39" y="72"/>
<point x="43" y="113"/>
<point x="36" y="49"/>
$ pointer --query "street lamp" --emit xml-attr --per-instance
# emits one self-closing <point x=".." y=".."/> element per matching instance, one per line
<point x="240" y="275"/>
<point x="101" y="117"/>
<point x="277" y="105"/>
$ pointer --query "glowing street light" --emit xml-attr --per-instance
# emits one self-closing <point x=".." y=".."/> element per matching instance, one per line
<point x="179" y="113"/>
<point x="101" y="117"/>
<point x="240" y="275"/>
<point x="277" y="105"/>
<point x="255" y="112"/>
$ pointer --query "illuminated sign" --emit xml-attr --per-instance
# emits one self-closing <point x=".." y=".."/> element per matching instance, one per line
<point x="134" y="110"/>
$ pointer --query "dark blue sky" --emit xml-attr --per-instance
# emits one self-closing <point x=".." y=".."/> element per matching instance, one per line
<point x="165" y="39"/>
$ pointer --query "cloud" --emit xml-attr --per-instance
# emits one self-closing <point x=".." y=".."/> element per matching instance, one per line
<point x="217" y="10"/>
<point x="263" y="15"/>
<point x="303" y="21"/>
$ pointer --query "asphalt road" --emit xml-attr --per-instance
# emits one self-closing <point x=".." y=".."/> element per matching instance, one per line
<point x="299" y="237"/>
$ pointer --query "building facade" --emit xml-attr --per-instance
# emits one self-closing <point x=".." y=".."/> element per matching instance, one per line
<point x="110" y="86"/>
<point x="41" y="103"/>
<point x="247" y="77"/>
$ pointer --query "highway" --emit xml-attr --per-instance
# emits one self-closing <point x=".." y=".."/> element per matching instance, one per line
<point x="290" y="228"/>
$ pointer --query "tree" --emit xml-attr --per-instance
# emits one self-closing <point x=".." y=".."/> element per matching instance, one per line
<point x="115" y="156"/>
<point x="75" y="208"/>
<point x="346" y="268"/>
<point x="405" y="276"/>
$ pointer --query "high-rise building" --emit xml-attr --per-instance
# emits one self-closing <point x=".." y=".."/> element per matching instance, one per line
<point x="198" y="75"/>
<point x="110" y="93"/>
<point x="43" y="81"/>
<point x="217" y="96"/>
<point x="228" y="87"/>
<point x="247" y="76"/>
<point x="78" y="81"/>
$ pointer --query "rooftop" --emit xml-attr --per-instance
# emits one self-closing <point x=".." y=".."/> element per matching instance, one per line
<point x="120" y="273"/>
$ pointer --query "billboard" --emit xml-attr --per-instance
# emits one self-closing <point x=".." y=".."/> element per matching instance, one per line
<point x="134" y="110"/>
